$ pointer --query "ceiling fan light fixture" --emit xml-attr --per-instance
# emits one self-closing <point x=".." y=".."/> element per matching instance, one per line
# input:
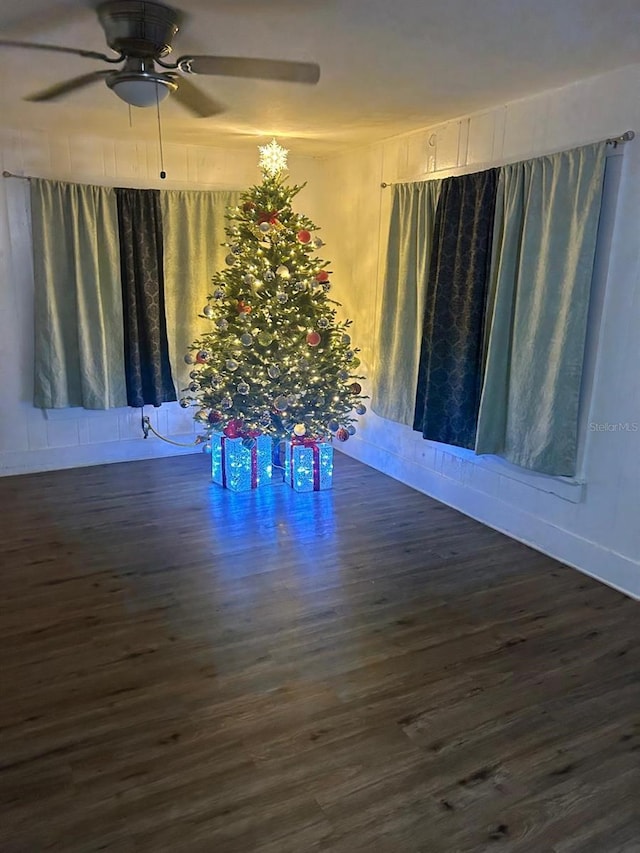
<point x="141" y="90"/>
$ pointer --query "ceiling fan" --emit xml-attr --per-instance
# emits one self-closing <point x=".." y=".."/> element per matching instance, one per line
<point x="141" y="34"/>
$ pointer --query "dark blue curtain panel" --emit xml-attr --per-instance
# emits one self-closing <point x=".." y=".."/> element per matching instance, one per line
<point x="146" y="351"/>
<point x="451" y="357"/>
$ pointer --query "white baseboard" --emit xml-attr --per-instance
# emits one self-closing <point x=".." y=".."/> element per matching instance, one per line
<point x="80" y="456"/>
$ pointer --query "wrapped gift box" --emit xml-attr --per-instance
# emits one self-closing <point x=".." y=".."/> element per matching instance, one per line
<point x="309" y="465"/>
<point x="241" y="463"/>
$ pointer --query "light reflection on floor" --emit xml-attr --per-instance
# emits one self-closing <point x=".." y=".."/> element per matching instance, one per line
<point x="293" y="545"/>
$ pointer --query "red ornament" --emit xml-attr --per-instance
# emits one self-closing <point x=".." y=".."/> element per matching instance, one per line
<point x="313" y="339"/>
<point x="355" y="388"/>
<point x="322" y="275"/>
<point x="304" y="236"/>
<point x="248" y="206"/>
<point x="202" y="356"/>
<point x="342" y="434"/>
<point x="243" y="308"/>
<point x="215" y="417"/>
<point x="233" y="428"/>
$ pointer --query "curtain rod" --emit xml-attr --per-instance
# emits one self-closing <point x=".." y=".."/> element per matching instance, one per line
<point x="627" y="136"/>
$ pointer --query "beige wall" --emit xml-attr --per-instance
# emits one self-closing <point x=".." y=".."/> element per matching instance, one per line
<point x="590" y="522"/>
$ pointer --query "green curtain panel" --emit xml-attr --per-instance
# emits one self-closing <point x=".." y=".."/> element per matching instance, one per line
<point x="79" y="355"/>
<point x="547" y="214"/>
<point x="193" y="230"/>
<point x="403" y="299"/>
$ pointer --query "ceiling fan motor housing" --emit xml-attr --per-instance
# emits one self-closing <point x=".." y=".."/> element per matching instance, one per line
<point x="139" y="28"/>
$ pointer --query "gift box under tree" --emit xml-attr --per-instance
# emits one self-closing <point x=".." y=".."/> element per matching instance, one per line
<point x="241" y="462"/>
<point x="309" y="465"/>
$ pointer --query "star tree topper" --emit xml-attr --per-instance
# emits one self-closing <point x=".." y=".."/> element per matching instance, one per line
<point x="273" y="158"/>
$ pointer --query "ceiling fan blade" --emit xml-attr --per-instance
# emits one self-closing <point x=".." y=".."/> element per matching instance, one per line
<point x="257" y="69"/>
<point x="195" y="100"/>
<point x="67" y="86"/>
<point x="89" y="54"/>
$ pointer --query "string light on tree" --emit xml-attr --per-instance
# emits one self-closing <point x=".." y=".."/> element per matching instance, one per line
<point x="277" y="359"/>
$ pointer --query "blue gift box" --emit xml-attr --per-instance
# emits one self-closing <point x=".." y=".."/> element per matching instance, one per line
<point x="309" y="465"/>
<point x="241" y="463"/>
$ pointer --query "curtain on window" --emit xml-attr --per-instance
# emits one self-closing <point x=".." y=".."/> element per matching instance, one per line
<point x="78" y="300"/>
<point x="451" y="356"/>
<point x="193" y="231"/>
<point x="405" y="286"/>
<point x="546" y="227"/>
<point x="146" y="350"/>
<point x="120" y="278"/>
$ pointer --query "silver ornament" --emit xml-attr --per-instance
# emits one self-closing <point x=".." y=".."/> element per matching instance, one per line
<point x="230" y="259"/>
<point x="243" y="388"/>
<point x="226" y="403"/>
<point x="222" y="324"/>
<point x="185" y="402"/>
<point x="346" y="339"/>
<point x="194" y="387"/>
<point x="273" y="371"/>
<point x="282" y="297"/>
<point x="361" y="409"/>
<point x="218" y="293"/>
<point x="246" y="339"/>
<point x="248" y="278"/>
<point x="208" y="311"/>
<point x="269" y="275"/>
<point x="283" y="271"/>
<point x="231" y="365"/>
<point x="280" y="403"/>
<point x="351" y="429"/>
<point x="323" y="323"/>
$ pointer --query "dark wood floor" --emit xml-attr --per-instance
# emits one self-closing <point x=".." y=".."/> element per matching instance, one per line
<point x="188" y="669"/>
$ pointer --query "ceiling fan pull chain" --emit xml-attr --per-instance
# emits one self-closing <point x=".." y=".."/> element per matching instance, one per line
<point x="163" y="174"/>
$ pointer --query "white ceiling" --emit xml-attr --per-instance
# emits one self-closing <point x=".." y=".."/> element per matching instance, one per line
<point x="388" y="66"/>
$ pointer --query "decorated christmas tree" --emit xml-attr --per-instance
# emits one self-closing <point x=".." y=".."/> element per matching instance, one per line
<point x="277" y="360"/>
